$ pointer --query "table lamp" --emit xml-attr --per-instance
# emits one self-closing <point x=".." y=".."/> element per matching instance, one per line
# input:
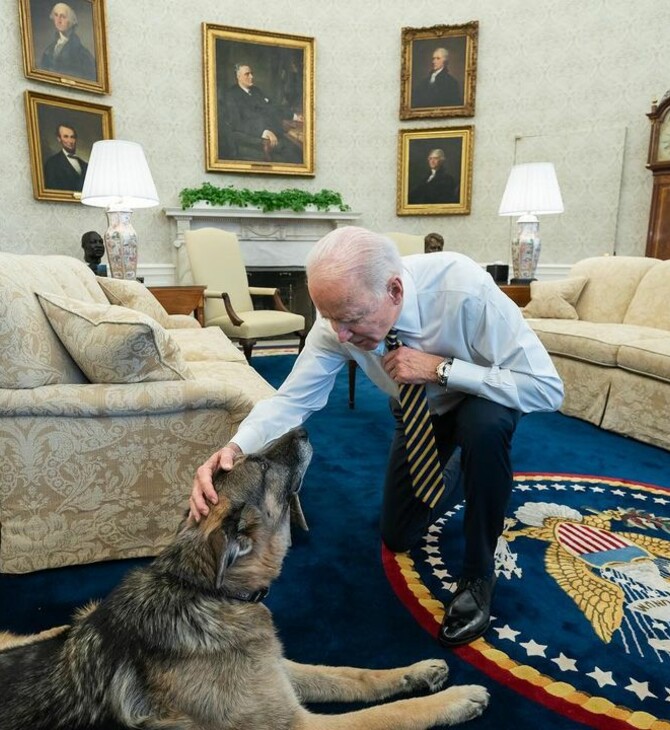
<point x="531" y="190"/>
<point x="119" y="180"/>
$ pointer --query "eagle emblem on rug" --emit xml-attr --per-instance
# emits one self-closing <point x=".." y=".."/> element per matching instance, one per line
<point x="604" y="571"/>
<point x="581" y="615"/>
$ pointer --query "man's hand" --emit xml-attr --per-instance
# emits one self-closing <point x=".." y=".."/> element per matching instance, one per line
<point x="203" y="489"/>
<point x="271" y="137"/>
<point x="405" y="365"/>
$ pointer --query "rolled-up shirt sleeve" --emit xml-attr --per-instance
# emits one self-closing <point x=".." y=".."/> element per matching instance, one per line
<point x="508" y="364"/>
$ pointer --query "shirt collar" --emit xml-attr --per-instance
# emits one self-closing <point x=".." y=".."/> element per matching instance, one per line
<point x="409" y="321"/>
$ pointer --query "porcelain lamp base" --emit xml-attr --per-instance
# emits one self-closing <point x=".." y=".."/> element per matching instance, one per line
<point x="121" y="245"/>
<point x="526" y="249"/>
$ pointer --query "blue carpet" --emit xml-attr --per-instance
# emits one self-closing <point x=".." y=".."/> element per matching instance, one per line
<point x="334" y="603"/>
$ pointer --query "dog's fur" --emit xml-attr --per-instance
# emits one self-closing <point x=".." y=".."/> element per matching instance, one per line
<point x="179" y="643"/>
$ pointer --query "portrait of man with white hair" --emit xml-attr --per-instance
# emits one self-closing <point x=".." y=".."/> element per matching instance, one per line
<point x="66" y="54"/>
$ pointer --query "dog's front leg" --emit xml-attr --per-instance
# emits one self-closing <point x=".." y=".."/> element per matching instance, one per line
<point x="448" y="707"/>
<point x="317" y="683"/>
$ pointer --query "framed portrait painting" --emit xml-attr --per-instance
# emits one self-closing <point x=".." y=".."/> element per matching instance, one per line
<point x="438" y="71"/>
<point x="61" y="133"/>
<point x="259" y="101"/>
<point x="65" y="43"/>
<point x="435" y="171"/>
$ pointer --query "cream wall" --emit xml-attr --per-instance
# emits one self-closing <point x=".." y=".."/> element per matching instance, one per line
<point x="571" y="81"/>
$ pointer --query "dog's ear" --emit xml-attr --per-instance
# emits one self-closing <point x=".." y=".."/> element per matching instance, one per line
<point x="235" y="538"/>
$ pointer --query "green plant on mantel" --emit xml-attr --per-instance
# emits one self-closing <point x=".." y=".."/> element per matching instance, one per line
<point x="289" y="199"/>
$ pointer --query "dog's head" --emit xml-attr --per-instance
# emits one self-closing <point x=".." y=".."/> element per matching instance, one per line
<point x="248" y="531"/>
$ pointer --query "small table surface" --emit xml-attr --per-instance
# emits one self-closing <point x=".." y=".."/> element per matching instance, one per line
<point x="518" y="293"/>
<point x="182" y="300"/>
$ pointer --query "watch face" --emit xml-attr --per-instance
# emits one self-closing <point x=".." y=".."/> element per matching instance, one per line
<point x="663" y="152"/>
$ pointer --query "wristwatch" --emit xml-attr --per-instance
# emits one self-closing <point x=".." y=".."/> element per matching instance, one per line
<point x="443" y="370"/>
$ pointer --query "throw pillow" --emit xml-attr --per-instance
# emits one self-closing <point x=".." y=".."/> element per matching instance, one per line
<point x="134" y="295"/>
<point x="554" y="299"/>
<point x="113" y="344"/>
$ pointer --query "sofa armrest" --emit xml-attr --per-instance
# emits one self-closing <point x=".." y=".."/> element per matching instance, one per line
<point x="95" y="400"/>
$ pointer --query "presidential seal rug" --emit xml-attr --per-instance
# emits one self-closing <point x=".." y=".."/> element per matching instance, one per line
<point x="581" y="618"/>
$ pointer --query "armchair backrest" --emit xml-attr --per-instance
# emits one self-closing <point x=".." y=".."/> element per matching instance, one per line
<point x="216" y="262"/>
<point x="407" y="243"/>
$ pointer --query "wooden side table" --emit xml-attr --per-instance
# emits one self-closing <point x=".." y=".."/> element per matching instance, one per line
<point x="518" y="293"/>
<point x="182" y="300"/>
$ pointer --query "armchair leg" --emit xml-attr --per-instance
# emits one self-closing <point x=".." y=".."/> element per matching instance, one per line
<point x="247" y="347"/>
<point x="301" y="343"/>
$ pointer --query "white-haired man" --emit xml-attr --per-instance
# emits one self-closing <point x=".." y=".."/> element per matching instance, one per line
<point x="482" y="366"/>
<point x="439" y="88"/>
<point x="66" y="54"/>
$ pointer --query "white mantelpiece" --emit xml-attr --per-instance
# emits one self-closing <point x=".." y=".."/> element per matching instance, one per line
<point x="279" y="238"/>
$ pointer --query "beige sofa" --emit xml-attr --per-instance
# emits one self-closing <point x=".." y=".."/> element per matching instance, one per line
<point x="607" y="329"/>
<point x="105" y="413"/>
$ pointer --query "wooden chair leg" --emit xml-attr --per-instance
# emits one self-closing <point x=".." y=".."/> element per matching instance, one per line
<point x="352" y="383"/>
<point x="247" y="347"/>
<point x="301" y="342"/>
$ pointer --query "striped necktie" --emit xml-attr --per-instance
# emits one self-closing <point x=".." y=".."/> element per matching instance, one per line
<point x="422" y="457"/>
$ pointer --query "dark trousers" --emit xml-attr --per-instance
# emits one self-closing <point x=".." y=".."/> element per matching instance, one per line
<point x="483" y="430"/>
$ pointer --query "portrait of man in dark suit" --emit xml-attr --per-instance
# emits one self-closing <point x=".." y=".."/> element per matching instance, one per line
<point x="65" y="53"/>
<point x="254" y="124"/>
<point x="65" y="43"/>
<point x="61" y="133"/>
<point x="438" y="87"/>
<point x="259" y="101"/>
<point x="433" y="184"/>
<point x="65" y="170"/>
<point x="438" y="71"/>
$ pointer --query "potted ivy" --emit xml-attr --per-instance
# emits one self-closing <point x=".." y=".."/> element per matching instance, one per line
<point x="265" y="200"/>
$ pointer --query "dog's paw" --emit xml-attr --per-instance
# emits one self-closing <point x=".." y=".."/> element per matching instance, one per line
<point x="430" y="674"/>
<point x="464" y="702"/>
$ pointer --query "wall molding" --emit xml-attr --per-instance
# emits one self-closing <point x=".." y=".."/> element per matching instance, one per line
<point x="157" y="274"/>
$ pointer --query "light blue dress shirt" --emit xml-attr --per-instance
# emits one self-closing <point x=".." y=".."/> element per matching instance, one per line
<point x="452" y="308"/>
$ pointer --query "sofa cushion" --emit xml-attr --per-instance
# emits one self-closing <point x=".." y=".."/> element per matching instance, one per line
<point x="650" y="304"/>
<point x="31" y="354"/>
<point x="134" y="295"/>
<point x="112" y="344"/>
<point x="207" y="343"/>
<point x="647" y="357"/>
<point x="554" y="299"/>
<point x="612" y="282"/>
<point x="589" y="341"/>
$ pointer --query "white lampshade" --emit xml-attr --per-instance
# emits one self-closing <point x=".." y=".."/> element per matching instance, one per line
<point x="118" y="177"/>
<point x="532" y="188"/>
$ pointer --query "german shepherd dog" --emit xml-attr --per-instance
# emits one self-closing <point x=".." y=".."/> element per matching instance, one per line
<point x="185" y="642"/>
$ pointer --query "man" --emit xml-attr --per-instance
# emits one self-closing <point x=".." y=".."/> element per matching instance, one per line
<point x="437" y="185"/>
<point x="65" y="170"/>
<point x="439" y="88"/>
<point x="251" y="125"/>
<point x="482" y="367"/>
<point x="94" y="250"/>
<point x="66" y="54"/>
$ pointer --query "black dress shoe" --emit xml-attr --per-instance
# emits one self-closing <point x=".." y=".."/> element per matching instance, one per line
<point x="468" y="614"/>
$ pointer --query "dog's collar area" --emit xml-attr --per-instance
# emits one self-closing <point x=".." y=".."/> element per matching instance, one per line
<point x="247" y="596"/>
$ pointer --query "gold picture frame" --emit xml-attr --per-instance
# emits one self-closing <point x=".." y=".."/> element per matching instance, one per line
<point x="438" y="73"/>
<point x="51" y="121"/>
<point x="65" y="43"/>
<point x="435" y="171"/>
<point x="259" y="101"/>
